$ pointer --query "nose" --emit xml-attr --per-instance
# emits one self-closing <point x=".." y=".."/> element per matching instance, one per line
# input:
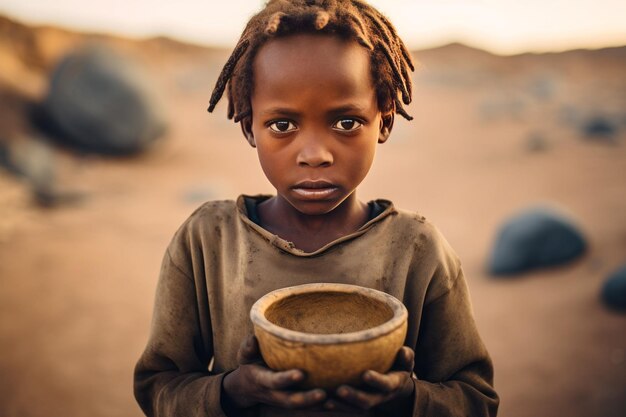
<point x="314" y="152"/>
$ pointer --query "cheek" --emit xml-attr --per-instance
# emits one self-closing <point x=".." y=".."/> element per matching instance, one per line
<point x="362" y="158"/>
<point x="363" y="163"/>
<point x="265" y="158"/>
<point x="272" y="161"/>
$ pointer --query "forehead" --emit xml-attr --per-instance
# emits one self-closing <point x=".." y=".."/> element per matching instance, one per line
<point x="312" y="61"/>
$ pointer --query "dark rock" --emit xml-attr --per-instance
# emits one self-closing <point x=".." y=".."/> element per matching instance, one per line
<point x="614" y="290"/>
<point x="600" y="128"/>
<point x="537" y="237"/>
<point x="99" y="102"/>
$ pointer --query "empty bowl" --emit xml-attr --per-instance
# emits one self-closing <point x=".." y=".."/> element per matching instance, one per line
<point x="332" y="332"/>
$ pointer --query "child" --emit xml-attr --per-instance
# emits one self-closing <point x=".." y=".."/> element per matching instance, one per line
<point x="315" y="86"/>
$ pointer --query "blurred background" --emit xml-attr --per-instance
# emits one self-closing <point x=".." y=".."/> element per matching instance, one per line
<point x="517" y="153"/>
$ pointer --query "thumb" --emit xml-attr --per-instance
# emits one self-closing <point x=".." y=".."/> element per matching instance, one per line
<point x="405" y="359"/>
<point x="249" y="350"/>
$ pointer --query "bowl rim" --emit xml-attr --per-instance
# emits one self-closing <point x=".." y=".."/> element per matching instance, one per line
<point x="257" y="314"/>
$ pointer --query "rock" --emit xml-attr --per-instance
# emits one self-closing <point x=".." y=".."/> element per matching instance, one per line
<point x="537" y="142"/>
<point x="542" y="88"/>
<point x="199" y="194"/>
<point x="614" y="290"/>
<point x="33" y="160"/>
<point x="537" y="237"/>
<point x="99" y="102"/>
<point x="202" y="192"/>
<point x="600" y="128"/>
<point x="30" y="158"/>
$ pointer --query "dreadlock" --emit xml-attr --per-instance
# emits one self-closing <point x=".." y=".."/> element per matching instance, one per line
<point x="391" y="62"/>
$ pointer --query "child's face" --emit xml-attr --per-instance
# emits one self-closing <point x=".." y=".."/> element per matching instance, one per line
<point x="316" y="120"/>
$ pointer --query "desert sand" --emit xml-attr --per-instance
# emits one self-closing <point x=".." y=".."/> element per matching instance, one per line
<point x="491" y="135"/>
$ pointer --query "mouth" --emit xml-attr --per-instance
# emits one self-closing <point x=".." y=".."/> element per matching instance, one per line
<point x="314" y="190"/>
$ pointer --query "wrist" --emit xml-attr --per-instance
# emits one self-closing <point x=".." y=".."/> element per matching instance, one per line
<point x="409" y="388"/>
<point x="233" y="396"/>
<point x="403" y="402"/>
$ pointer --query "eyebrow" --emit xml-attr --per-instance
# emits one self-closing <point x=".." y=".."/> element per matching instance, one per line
<point x="352" y="107"/>
<point x="280" y="110"/>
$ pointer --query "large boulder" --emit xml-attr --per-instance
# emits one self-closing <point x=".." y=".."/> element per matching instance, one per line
<point x="100" y="102"/>
<point x="614" y="290"/>
<point x="536" y="237"/>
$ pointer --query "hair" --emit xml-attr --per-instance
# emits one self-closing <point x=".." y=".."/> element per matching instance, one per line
<point x="391" y="62"/>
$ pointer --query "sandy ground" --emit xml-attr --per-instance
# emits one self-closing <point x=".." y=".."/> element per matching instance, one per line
<point x="78" y="281"/>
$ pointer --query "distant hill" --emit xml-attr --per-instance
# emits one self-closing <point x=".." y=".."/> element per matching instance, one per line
<point x="29" y="52"/>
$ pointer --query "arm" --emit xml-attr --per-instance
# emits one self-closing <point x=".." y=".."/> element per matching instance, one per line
<point x="454" y="371"/>
<point x="171" y="377"/>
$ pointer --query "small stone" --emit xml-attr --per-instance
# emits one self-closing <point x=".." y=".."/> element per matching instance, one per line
<point x="542" y="88"/>
<point x="537" y="237"/>
<point x="200" y="194"/>
<point x="32" y="159"/>
<point x="614" y="290"/>
<point x="537" y="142"/>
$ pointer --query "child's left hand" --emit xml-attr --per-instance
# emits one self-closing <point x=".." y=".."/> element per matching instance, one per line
<point x="380" y="388"/>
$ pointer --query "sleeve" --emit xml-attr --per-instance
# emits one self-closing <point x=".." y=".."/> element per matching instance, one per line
<point x="171" y="378"/>
<point x="453" y="368"/>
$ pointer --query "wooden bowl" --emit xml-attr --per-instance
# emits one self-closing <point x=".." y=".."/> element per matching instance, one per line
<point x="332" y="332"/>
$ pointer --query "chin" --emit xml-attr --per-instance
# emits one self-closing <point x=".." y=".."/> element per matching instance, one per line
<point x="315" y="208"/>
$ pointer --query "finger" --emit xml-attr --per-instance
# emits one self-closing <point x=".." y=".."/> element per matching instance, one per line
<point x="292" y="400"/>
<point x="358" y="398"/>
<point x="277" y="380"/>
<point x="405" y="359"/>
<point x="384" y="382"/>
<point x="249" y="350"/>
<point x="340" y="406"/>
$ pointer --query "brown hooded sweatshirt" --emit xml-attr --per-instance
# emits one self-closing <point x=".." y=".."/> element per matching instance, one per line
<point x="220" y="262"/>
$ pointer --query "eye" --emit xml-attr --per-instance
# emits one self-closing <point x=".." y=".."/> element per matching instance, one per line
<point x="282" y="126"/>
<point x="347" y="125"/>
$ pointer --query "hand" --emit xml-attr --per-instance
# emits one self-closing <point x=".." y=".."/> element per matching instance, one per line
<point x="253" y="383"/>
<point x="379" y="388"/>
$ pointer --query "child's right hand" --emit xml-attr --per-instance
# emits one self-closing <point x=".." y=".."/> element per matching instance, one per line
<point x="253" y="383"/>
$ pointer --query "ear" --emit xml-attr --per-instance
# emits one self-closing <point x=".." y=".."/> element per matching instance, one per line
<point x="246" y="129"/>
<point x="386" y="124"/>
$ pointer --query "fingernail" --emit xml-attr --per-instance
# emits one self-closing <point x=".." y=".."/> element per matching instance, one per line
<point x="296" y="376"/>
<point x="342" y="391"/>
<point x="319" y="395"/>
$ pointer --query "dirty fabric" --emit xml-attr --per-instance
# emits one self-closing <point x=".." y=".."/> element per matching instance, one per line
<point x="220" y="262"/>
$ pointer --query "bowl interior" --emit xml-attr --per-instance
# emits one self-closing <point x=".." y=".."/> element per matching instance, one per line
<point x="328" y="312"/>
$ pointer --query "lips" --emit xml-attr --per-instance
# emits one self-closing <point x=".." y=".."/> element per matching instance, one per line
<point x="314" y="190"/>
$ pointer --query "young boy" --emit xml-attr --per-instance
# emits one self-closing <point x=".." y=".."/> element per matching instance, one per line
<point x="315" y="86"/>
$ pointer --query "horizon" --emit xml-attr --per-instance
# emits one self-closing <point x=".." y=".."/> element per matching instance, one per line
<point x="482" y="24"/>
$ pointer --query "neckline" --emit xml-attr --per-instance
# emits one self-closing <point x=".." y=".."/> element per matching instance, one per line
<point x="252" y="211"/>
<point x="246" y="205"/>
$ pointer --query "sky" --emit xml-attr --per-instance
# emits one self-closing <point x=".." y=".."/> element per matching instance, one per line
<point x="501" y="26"/>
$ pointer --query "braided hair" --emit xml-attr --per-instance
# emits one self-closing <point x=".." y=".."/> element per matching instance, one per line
<point x="391" y="62"/>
